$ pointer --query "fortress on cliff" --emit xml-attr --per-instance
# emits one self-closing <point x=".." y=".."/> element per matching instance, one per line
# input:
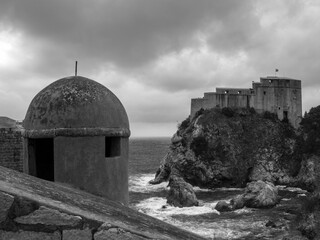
<point x="278" y="95"/>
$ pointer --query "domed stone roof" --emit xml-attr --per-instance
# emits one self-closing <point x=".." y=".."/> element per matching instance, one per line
<point x="76" y="104"/>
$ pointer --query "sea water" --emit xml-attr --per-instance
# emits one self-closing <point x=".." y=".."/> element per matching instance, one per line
<point x="145" y="157"/>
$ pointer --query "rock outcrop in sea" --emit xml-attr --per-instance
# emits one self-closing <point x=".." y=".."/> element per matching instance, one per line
<point x="229" y="148"/>
<point x="240" y="148"/>
<point x="257" y="194"/>
<point x="226" y="147"/>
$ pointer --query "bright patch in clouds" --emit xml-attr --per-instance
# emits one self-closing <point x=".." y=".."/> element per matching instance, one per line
<point x="11" y="50"/>
<point x="156" y="55"/>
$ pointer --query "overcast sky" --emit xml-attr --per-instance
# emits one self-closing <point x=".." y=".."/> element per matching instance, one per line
<point x="156" y="55"/>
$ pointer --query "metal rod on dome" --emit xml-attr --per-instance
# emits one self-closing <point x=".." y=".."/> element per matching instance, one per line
<point x="76" y="69"/>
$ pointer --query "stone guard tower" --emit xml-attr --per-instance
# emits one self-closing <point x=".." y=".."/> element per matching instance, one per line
<point x="76" y="132"/>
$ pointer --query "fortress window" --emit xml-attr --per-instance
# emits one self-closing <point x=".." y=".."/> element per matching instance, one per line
<point x="226" y="91"/>
<point x="270" y="81"/>
<point x="239" y="92"/>
<point x="112" y="147"/>
<point x="264" y="92"/>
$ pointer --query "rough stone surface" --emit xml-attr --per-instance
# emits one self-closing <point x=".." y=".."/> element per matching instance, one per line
<point x="115" y="234"/>
<point x="308" y="226"/>
<point x="237" y="202"/>
<point x="294" y="237"/>
<point x="77" y="234"/>
<point x="176" y="138"/>
<point x="259" y="195"/>
<point x="223" y="206"/>
<point x="23" y="206"/>
<point x="229" y="147"/>
<point x="11" y="154"/>
<point x="94" y="210"/>
<point x="49" y="216"/>
<point x="309" y="174"/>
<point x="24" y="235"/>
<point x="6" y="201"/>
<point x="181" y="193"/>
<point x="74" y="102"/>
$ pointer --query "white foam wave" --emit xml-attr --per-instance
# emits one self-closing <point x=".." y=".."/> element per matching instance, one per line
<point x="243" y="210"/>
<point x="297" y="190"/>
<point x="302" y="195"/>
<point x="158" y="208"/>
<point x="198" y="189"/>
<point x="140" y="183"/>
<point x="215" y="230"/>
<point x="285" y="199"/>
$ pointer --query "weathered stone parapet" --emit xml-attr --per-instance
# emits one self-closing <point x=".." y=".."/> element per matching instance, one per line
<point x="23" y="235"/>
<point x="107" y="231"/>
<point x="77" y="234"/>
<point x="50" y="224"/>
<point x="38" y="209"/>
<point x="76" y="132"/>
<point x="6" y="202"/>
<point x="47" y="216"/>
<point x="11" y="154"/>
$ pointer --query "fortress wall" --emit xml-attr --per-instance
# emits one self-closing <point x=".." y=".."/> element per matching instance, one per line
<point x="289" y="100"/>
<point x="222" y="100"/>
<point x="281" y="96"/>
<point x="264" y="99"/>
<point x="11" y="154"/>
<point x="296" y="107"/>
<point x="211" y="100"/>
<point x="234" y="90"/>
<point x="238" y="100"/>
<point x="196" y="105"/>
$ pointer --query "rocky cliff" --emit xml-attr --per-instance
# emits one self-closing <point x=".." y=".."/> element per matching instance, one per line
<point x="228" y="147"/>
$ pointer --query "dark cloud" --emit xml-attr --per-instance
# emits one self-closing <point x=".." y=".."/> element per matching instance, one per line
<point x="156" y="54"/>
<point x="127" y="33"/>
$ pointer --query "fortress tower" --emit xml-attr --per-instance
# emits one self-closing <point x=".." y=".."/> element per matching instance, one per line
<point x="278" y="95"/>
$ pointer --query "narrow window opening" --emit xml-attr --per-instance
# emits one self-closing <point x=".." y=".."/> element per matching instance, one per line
<point x="239" y="92"/>
<point x="285" y="116"/>
<point x="264" y="92"/>
<point x="112" y="147"/>
<point x="41" y="158"/>
<point x="226" y="91"/>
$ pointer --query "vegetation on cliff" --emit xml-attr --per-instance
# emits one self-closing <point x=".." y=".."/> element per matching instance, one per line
<point x="238" y="147"/>
<point x="229" y="147"/>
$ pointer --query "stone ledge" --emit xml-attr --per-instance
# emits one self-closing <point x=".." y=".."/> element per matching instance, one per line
<point x="24" y="235"/>
<point x="6" y="202"/>
<point x="93" y="210"/>
<point x="52" y="217"/>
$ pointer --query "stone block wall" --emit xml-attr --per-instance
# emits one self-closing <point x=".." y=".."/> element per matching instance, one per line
<point x="11" y="148"/>
<point x="22" y="219"/>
